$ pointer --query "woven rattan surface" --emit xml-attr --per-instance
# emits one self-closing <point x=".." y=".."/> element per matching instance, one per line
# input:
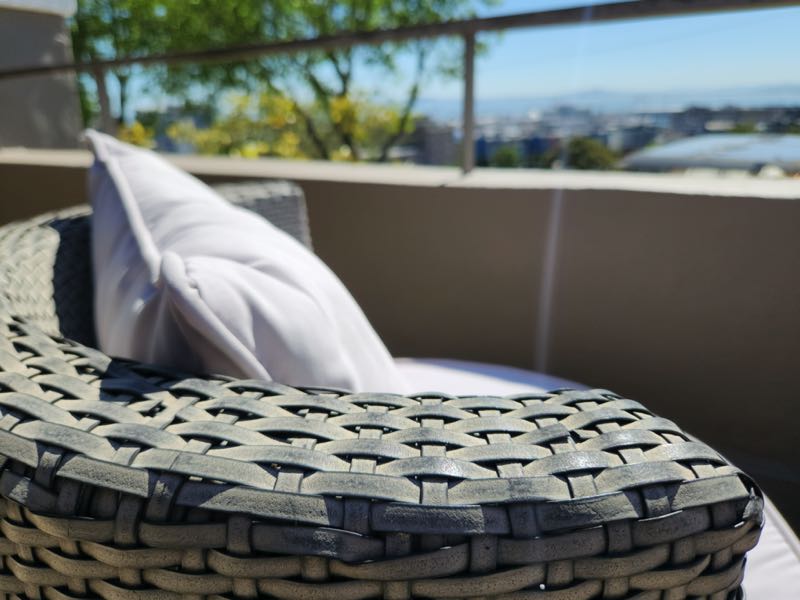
<point x="280" y="202"/>
<point x="127" y="481"/>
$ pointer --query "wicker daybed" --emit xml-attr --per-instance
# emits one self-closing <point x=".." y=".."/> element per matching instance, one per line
<point x="128" y="481"/>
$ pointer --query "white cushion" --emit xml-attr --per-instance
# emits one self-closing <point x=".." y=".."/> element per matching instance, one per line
<point x="461" y="377"/>
<point x="185" y="279"/>
<point x="773" y="566"/>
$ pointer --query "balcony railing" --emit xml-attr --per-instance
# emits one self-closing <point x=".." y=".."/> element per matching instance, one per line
<point x="466" y="29"/>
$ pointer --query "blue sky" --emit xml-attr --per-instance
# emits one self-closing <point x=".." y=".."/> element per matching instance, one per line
<point x="723" y="50"/>
<point x="712" y="51"/>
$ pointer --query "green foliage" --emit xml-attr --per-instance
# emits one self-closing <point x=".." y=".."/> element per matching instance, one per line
<point x="137" y="134"/>
<point x="87" y="103"/>
<point x="506" y="157"/>
<point x="744" y="127"/>
<point x="105" y="29"/>
<point x="318" y="84"/>
<point x="588" y="153"/>
<point x="580" y="153"/>
<point x="271" y="124"/>
<point x="545" y="160"/>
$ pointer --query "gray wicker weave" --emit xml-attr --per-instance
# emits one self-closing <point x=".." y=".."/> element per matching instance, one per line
<point x="127" y="481"/>
<point x="281" y="202"/>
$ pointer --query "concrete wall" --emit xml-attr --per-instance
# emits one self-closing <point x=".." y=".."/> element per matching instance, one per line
<point x="40" y="111"/>
<point x="681" y="293"/>
<point x="691" y="304"/>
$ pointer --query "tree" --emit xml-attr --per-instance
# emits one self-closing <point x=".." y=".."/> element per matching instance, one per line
<point x="106" y="29"/>
<point x="506" y="156"/>
<point x="588" y="153"/>
<point x="744" y="127"/>
<point x="322" y="79"/>
<point x="546" y="159"/>
<point x="579" y="153"/>
<point x="267" y="125"/>
<point x="136" y="133"/>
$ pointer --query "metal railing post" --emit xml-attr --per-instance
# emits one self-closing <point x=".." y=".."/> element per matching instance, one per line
<point x="468" y="127"/>
<point x="106" y="123"/>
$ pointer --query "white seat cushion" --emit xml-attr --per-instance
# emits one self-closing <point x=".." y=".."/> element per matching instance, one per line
<point x="773" y="566"/>
<point x="461" y="377"/>
<point x="185" y="279"/>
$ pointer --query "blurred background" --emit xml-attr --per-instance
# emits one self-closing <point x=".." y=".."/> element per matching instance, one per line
<point x="708" y="91"/>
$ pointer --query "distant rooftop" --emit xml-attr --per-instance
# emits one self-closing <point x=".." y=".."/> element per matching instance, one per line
<point x="735" y="151"/>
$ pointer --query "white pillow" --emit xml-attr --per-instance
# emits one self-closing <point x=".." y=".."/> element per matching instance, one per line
<point x="185" y="279"/>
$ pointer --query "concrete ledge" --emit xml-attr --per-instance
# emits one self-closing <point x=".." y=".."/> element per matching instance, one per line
<point x="218" y="167"/>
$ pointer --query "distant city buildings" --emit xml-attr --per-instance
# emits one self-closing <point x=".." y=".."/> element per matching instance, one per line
<point x="434" y="143"/>
<point x="527" y="141"/>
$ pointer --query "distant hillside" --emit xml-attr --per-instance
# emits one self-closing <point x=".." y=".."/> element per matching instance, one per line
<point x="613" y="102"/>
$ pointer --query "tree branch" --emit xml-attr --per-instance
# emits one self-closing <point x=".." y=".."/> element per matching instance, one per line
<point x="413" y="94"/>
<point x="308" y="121"/>
<point x="123" y="96"/>
<point x="107" y="123"/>
<point x="342" y="72"/>
<point x="324" y="94"/>
<point x="311" y="129"/>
